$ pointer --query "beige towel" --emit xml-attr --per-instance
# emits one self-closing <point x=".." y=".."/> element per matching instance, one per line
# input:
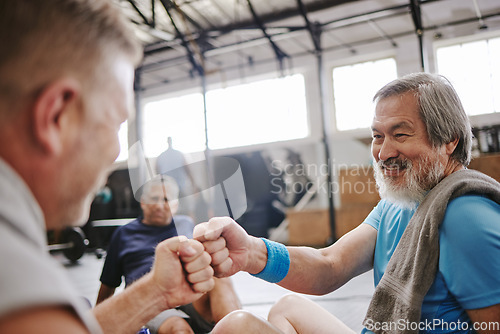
<point x="413" y="266"/>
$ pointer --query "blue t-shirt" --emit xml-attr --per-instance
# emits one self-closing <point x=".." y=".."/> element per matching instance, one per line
<point x="469" y="259"/>
<point x="131" y="250"/>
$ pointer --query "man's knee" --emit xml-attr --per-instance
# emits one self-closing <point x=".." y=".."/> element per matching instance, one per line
<point x="235" y="321"/>
<point x="239" y="317"/>
<point x="175" y="325"/>
<point x="286" y="304"/>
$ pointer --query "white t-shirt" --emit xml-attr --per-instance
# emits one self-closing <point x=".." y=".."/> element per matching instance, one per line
<point x="29" y="276"/>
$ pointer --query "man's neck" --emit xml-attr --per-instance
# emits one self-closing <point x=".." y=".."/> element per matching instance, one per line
<point x="452" y="167"/>
<point x="157" y="225"/>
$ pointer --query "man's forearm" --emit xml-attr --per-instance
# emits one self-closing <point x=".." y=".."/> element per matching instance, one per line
<point x="321" y="271"/>
<point x="310" y="272"/>
<point x="128" y="311"/>
<point x="307" y="267"/>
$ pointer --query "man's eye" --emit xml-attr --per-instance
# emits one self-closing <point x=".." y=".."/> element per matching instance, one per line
<point x="399" y="135"/>
<point x="376" y="136"/>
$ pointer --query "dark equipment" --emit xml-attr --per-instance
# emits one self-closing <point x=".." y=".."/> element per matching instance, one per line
<point x="71" y="241"/>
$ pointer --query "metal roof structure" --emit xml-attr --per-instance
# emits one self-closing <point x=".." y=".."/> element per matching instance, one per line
<point x="184" y="38"/>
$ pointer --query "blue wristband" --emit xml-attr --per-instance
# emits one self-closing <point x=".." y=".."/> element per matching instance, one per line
<point x="278" y="262"/>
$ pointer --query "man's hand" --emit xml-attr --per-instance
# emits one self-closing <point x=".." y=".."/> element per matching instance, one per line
<point x="229" y="245"/>
<point x="182" y="271"/>
<point x="180" y="275"/>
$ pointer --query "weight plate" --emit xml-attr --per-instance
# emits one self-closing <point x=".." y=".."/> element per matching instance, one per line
<point x="76" y="238"/>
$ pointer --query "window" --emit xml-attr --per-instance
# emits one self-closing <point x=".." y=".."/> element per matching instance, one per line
<point x="180" y="118"/>
<point x="474" y="70"/>
<point x="260" y="112"/>
<point x="353" y="89"/>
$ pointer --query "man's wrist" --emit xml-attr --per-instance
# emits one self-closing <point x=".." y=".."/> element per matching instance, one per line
<point x="277" y="264"/>
<point x="257" y="258"/>
<point x="132" y="308"/>
<point x="155" y="293"/>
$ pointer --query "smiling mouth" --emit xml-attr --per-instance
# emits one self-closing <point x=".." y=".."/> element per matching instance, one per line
<point x="393" y="168"/>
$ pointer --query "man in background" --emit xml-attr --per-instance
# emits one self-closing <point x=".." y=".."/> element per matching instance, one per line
<point x="130" y="255"/>
<point x="173" y="163"/>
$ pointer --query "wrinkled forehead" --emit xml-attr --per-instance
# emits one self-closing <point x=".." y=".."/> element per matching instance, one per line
<point x="158" y="190"/>
<point x="398" y="109"/>
<point x="155" y="190"/>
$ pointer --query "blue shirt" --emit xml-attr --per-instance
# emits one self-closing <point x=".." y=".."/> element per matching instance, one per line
<point x="131" y="250"/>
<point x="468" y="275"/>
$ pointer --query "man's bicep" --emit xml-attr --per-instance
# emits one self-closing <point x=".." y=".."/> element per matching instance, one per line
<point x="111" y="274"/>
<point x="53" y="320"/>
<point x="486" y="320"/>
<point x="470" y="251"/>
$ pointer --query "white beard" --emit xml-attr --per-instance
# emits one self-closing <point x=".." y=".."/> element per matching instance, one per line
<point x="417" y="181"/>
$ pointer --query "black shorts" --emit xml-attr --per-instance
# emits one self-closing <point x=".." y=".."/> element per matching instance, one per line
<point x="188" y="312"/>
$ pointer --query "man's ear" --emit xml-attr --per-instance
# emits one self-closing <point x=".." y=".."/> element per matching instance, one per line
<point x="451" y="146"/>
<point x="54" y="101"/>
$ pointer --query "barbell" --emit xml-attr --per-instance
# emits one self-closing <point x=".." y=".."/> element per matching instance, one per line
<point x="72" y="243"/>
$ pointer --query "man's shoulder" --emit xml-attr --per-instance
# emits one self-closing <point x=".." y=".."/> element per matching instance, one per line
<point x="472" y="204"/>
<point x="131" y="227"/>
<point x="469" y="244"/>
<point x="132" y="224"/>
<point x="470" y="216"/>
<point x="31" y="277"/>
<point x="388" y="209"/>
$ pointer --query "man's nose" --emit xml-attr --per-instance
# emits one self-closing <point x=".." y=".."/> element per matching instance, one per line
<point x="387" y="150"/>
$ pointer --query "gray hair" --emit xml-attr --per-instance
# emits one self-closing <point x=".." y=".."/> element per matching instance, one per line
<point x="42" y="40"/>
<point x="440" y="110"/>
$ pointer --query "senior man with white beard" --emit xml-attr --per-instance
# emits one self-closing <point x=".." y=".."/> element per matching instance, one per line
<point x="433" y="240"/>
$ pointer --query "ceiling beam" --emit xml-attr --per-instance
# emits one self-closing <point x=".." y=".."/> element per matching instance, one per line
<point x="382" y="33"/>
<point x="190" y="54"/>
<point x="342" y="22"/>
<point x="416" y="15"/>
<point x="200" y="15"/>
<point x="280" y="55"/>
<point x="153" y="14"/>
<point x="314" y="32"/>
<point x="284" y="14"/>
<point x="141" y="14"/>
<point x="221" y="9"/>
<point x="326" y="27"/>
<point x="172" y="62"/>
<point x="170" y="4"/>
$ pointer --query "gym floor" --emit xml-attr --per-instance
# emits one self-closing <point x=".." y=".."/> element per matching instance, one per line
<point x="349" y="303"/>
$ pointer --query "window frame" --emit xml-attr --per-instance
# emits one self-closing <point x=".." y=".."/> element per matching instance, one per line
<point x="478" y="119"/>
<point x="351" y="61"/>
<point x="221" y="85"/>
